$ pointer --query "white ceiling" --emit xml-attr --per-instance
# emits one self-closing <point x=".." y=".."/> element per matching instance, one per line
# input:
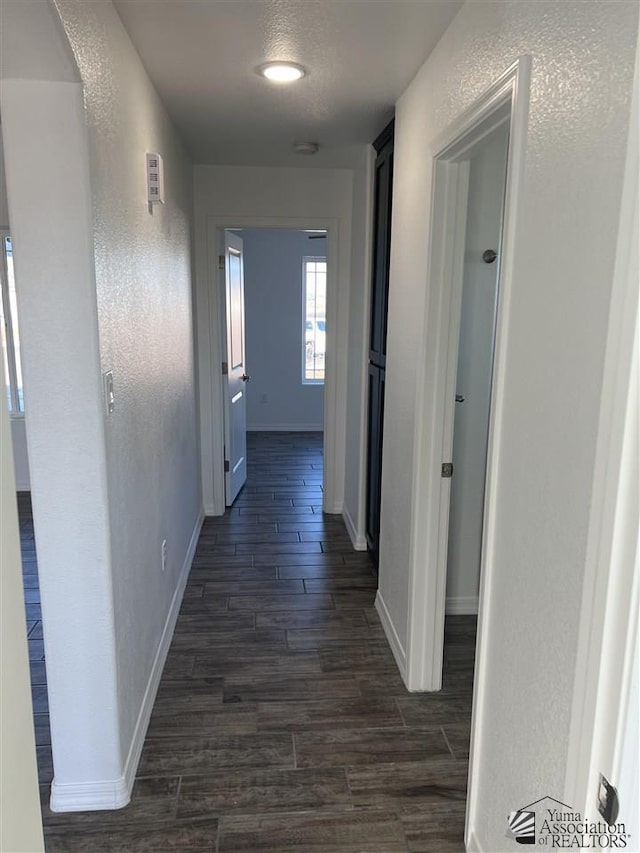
<point x="360" y="55"/>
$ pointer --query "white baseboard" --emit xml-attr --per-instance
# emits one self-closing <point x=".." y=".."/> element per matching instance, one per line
<point x="140" y="731"/>
<point x="462" y="605"/>
<point x="89" y="796"/>
<point x="357" y="540"/>
<point x="286" y="428"/>
<point x="392" y="636"/>
<point x="116" y="793"/>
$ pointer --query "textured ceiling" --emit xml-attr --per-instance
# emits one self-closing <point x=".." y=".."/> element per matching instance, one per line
<point x="360" y="54"/>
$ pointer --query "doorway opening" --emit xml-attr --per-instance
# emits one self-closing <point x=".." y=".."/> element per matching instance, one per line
<point x="503" y="108"/>
<point x="274" y="299"/>
<point x="290" y="376"/>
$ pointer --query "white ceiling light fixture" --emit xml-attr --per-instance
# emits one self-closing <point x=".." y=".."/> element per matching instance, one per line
<point x="282" y="72"/>
<point x="307" y="148"/>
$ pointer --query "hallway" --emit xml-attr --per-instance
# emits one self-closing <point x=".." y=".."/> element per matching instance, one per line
<point x="281" y="722"/>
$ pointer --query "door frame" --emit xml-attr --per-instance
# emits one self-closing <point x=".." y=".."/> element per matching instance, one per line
<point x="212" y="416"/>
<point x="506" y="99"/>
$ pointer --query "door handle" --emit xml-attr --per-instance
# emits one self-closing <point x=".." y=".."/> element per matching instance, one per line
<point x="245" y="377"/>
<point x="459" y="398"/>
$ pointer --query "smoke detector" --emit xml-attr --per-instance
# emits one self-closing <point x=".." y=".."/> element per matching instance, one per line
<point x="307" y="148"/>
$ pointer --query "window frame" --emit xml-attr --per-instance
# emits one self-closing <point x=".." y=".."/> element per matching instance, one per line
<point x="14" y="411"/>
<point x="305" y="260"/>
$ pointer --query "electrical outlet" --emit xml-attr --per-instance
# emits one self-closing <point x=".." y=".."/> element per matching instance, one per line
<point x="163" y="554"/>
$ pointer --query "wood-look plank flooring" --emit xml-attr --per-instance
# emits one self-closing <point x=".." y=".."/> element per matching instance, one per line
<point x="281" y="723"/>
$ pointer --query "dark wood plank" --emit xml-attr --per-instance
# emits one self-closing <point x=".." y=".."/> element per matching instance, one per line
<point x="263" y="791"/>
<point x="190" y="755"/>
<point x="369" y="746"/>
<point x="351" y="832"/>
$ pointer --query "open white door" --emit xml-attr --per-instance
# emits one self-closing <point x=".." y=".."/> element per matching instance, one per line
<point x="235" y="376"/>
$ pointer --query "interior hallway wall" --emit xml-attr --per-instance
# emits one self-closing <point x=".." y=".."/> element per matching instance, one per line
<point x="52" y="224"/>
<point x="582" y="68"/>
<point x="273" y="275"/>
<point x="143" y="282"/>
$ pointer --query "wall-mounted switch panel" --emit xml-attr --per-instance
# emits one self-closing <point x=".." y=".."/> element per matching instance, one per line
<point x="155" y="179"/>
<point x="109" y="398"/>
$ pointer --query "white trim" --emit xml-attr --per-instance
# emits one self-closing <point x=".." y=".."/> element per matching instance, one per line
<point x="116" y="793"/>
<point x="89" y="796"/>
<point x="462" y="605"/>
<point x="391" y="634"/>
<point x="210" y="331"/>
<point x="358" y="540"/>
<point x="285" y="428"/>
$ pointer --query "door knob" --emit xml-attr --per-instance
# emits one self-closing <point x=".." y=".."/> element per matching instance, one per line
<point x="459" y="398"/>
<point x="245" y="377"/>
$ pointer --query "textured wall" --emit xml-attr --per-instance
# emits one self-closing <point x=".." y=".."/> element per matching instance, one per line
<point x="142" y="262"/>
<point x="564" y="248"/>
<point x="273" y="313"/>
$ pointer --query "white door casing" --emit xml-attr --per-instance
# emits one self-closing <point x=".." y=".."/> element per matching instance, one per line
<point x="235" y="377"/>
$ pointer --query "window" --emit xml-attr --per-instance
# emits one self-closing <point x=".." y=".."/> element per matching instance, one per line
<point x="314" y="320"/>
<point x="9" y="330"/>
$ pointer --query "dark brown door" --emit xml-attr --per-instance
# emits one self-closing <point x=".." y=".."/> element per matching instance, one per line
<point x="378" y="338"/>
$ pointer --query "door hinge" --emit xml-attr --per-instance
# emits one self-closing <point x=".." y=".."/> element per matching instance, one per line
<point x="447" y="469"/>
<point x="226" y="466"/>
<point x="225" y="368"/>
<point x="220" y="262"/>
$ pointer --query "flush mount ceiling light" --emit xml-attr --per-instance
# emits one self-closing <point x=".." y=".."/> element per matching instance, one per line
<point x="281" y="72"/>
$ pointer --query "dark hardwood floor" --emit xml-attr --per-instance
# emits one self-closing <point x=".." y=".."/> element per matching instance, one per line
<point x="281" y="722"/>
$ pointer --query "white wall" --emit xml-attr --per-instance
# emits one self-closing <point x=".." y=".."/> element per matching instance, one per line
<point x="273" y="263"/>
<point x="59" y="332"/>
<point x="143" y="282"/>
<point x="564" y="249"/>
<point x="487" y="174"/>
<point x="20" y="818"/>
<point x="103" y="284"/>
<point x="230" y="195"/>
